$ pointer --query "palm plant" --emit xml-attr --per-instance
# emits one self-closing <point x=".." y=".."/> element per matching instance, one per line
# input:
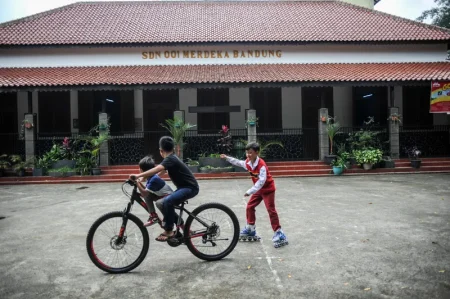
<point x="177" y="127"/>
<point x="263" y="146"/>
<point x="333" y="127"/>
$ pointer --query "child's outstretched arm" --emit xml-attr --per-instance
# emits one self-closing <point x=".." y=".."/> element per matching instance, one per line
<point x="235" y="162"/>
<point x="148" y="173"/>
<point x="142" y="189"/>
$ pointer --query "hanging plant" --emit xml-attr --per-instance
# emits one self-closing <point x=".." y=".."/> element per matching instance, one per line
<point x="252" y="121"/>
<point x="395" y="118"/>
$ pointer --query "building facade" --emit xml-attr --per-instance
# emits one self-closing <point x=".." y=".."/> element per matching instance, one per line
<point x="141" y="61"/>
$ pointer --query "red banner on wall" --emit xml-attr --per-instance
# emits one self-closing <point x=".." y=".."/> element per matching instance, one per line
<point x="440" y="97"/>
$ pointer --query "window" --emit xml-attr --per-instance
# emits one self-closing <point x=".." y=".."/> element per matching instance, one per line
<point x="212" y="98"/>
<point x="119" y="105"/>
<point x="267" y="103"/>
<point x="370" y="101"/>
<point x="54" y="111"/>
<point x="416" y="106"/>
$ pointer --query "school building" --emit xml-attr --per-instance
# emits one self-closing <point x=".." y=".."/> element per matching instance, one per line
<point x="213" y="61"/>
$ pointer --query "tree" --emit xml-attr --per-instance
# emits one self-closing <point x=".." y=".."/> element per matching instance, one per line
<point x="440" y="15"/>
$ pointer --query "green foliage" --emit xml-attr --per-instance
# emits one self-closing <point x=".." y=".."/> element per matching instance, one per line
<point x="42" y="162"/>
<point x="62" y="170"/>
<point x="214" y="155"/>
<point x="440" y="15"/>
<point x="19" y="164"/>
<point x="333" y="127"/>
<point x="365" y="138"/>
<point x="84" y="164"/>
<point x="191" y="162"/>
<point x="92" y="144"/>
<point x="4" y="162"/>
<point x="370" y="156"/>
<point x="252" y="121"/>
<point x="339" y="162"/>
<point x="177" y="128"/>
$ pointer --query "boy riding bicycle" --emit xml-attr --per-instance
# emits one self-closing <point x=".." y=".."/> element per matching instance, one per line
<point x="181" y="176"/>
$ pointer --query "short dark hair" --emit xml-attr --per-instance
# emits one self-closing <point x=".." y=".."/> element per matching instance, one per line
<point x="146" y="163"/>
<point x="166" y="143"/>
<point x="252" y="145"/>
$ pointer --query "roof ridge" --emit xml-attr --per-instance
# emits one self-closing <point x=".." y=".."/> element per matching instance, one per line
<point x="38" y="15"/>
<point x="395" y="17"/>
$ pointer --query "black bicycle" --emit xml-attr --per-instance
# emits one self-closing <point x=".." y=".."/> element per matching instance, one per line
<point x="118" y="242"/>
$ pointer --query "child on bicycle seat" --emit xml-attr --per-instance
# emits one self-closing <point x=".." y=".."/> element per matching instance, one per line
<point x="154" y="190"/>
<point x="181" y="176"/>
<point x="263" y="189"/>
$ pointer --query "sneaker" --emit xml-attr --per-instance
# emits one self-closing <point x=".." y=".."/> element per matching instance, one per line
<point x="153" y="219"/>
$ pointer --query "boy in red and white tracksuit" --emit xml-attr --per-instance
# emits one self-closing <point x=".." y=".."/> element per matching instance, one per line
<point x="263" y="190"/>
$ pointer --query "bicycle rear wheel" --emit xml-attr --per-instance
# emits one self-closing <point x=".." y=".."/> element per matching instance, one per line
<point x="216" y="240"/>
<point x="110" y="254"/>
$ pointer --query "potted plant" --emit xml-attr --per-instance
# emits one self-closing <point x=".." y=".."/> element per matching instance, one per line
<point x="4" y="163"/>
<point x="192" y="165"/>
<point x="251" y="121"/>
<point x="213" y="160"/>
<point x="414" y="154"/>
<point x="177" y="128"/>
<point x="41" y="165"/>
<point x="85" y="164"/>
<point x="211" y="169"/>
<point x="62" y="155"/>
<point x="339" y="165"/>
<point x="332" y="128"/>
<point x="368" y="157"/>
<point x="395" y="118"/>
<point x="387" y="162"/>
<point x="61" y="172"/>
<point x="19" y="165"/>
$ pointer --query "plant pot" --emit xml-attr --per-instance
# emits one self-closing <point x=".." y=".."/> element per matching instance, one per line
<point x="39" y="171"/>
<point x="64" y="163"/>
<point x="367" y="166"/>
<point x="387" y="164"/>
<point x="217" y="170"/>
<point x="416" y="163"/>
<point x="338" y="170"/>
<point x="239" y="169"/>
<point x="96" y="171"/>
<point x="193" y="168"/>
<point x="352" y="160"/>
<point x="328" y="159"/>
<point x="251" y="123"/>
<point x="213" y="162"/>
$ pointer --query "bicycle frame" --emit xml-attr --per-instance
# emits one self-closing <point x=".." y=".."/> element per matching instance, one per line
<point x="136" y="196"/>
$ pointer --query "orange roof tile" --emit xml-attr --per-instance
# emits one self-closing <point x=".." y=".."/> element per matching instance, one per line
<point x="212" y="21"/>
<point x="223" y="74"/>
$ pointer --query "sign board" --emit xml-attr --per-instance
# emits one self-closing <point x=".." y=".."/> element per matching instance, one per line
<point x="440" y="97"/>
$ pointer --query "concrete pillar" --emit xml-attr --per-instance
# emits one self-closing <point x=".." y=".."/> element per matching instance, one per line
<point x="104" y="148"/>
<point x="30" y="137"/>
<point x="251" y="130"/>
<point x="74" y="111"/>
<point x="22" y="107"/>
<point x="291" y="107"/>
<point x="179" y="116"/>
<point x="138" y="110"/>
<point x="394" y="134"/>
<point x="343" y="105"/>
<point x="398" y="99"/>
<point x="239" y="97"/>
<point x="188" y="97"/>
<point x="324" y="145"/>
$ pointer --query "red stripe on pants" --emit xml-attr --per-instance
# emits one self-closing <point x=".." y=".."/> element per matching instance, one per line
<point x="269" y="201"/>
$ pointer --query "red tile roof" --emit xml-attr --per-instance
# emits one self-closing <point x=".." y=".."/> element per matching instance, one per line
<point x="202" y="22"/>
<point x="223" y="74"/>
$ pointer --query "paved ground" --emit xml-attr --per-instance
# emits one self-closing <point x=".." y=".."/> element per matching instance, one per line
<point x="350" y="237"/>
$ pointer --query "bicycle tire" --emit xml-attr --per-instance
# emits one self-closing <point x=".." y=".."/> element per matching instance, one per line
<point x="102" y="264"/>
<point x="192" y="248"/>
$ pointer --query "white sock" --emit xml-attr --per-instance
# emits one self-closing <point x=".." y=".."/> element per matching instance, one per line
<point x="251" y="226"/>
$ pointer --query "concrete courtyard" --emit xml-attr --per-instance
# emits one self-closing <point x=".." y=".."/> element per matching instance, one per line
<point x="384" y="236"/>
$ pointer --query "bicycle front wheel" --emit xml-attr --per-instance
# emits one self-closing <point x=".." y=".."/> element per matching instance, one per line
<point x="212" y="231"/>
<point x="111" y="253"/>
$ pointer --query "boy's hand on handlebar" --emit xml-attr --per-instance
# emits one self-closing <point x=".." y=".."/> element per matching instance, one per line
<point x="133" y="177"/>
<point x="223" y="156"/>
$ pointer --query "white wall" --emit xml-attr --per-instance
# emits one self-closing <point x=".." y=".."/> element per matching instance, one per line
<point x="139" y="109"/>
<point x="22" y="107"/>
<point x="239" y="97"/>
<point x="343" y="105"/>
<point x="188" y="97"/>
<point x="296" y="54"/>
<point x="73" y="109"/>
<point x="398" y="99"/>
<point x="291" y="107"/>
<point x="364" y="3"/>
